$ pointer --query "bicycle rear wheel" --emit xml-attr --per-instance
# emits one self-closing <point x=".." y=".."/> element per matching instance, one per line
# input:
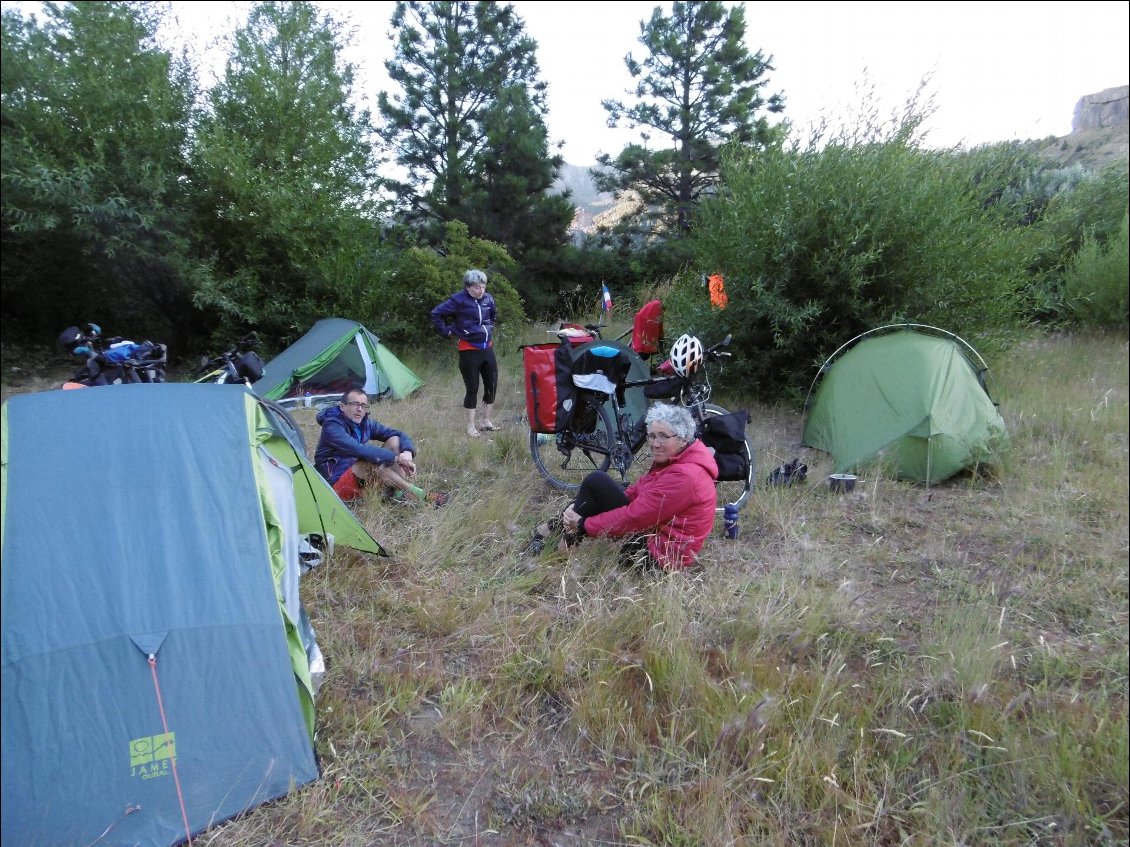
<point x="733" y="492"/>
<point x="565" y="458"/>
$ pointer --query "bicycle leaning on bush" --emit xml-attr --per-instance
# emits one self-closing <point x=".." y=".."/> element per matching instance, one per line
<point x="602" y="433"/>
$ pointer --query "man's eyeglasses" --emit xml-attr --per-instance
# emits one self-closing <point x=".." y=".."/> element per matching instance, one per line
<point x="660" y="437"/>
<point x="362" y="406"/>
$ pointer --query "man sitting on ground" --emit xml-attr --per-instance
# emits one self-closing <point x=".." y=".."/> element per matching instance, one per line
<point x="349" y="462"/>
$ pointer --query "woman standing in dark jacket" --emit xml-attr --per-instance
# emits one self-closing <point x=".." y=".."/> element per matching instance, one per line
<point x="469" y="316"/>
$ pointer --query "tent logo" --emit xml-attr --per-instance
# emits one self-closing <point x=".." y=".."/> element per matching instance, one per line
<point x="150" y="757"/>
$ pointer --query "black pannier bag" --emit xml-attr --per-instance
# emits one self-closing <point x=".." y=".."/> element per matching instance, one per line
<point x="725" y="436"/>
<point x="597" y="372"/>
<point x="250" y="366"/>
<point x="602" y="369"/>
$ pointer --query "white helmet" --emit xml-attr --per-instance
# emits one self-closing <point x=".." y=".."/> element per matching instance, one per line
<point x="686" y="355"/>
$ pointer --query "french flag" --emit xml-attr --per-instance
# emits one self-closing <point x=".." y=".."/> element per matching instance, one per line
<point x="605" y="298"/>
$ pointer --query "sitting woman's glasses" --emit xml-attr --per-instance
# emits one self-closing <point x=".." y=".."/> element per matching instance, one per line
<point x="363" y="406"/>
<point x="660" y="437"/>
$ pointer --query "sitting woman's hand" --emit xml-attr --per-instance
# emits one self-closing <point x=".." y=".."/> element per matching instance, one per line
<point x="570" y="519"/>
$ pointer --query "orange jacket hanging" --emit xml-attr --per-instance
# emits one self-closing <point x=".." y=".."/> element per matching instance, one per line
<point x="718" y="297"/>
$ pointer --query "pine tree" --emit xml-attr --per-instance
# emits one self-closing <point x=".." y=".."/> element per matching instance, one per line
<point x="516" y="208"/>
<point x="698" y="86"/>
<point x="468" y="124"/>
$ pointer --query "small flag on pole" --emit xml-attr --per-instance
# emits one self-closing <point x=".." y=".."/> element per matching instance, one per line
<point x="605" y="298"/>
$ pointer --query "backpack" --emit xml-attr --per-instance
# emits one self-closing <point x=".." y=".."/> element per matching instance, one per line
<point x="647" y="328"/>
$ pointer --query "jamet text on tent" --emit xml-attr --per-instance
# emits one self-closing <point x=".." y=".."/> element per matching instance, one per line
<point x="152" y="770"/>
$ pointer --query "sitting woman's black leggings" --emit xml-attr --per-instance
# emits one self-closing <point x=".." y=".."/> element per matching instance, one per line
<point x="600" y="493"/>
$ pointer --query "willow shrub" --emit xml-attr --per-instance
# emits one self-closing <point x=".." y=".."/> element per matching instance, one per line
<point x="1082" y="224"/>
<point x="1097" y="284"/>
<point x="819" y="244"/>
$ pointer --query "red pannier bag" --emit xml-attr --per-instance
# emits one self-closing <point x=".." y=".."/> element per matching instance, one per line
<point x="540" y="378"/>
<point x="548" y="378"/>
<point x="647" y="328"/>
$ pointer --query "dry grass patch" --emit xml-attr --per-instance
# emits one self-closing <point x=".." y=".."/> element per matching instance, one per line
<point x="897" y="666"/>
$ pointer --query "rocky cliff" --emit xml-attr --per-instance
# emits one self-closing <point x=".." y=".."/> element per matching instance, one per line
<point x="1100" y="131"/>
<point x="1106" y="109"/>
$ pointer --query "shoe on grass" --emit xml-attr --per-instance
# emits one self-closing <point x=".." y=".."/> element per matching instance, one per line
<point x="536" y="544"/>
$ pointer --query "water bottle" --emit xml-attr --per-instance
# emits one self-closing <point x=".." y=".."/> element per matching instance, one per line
<point x="306" y="400"/>
<point x="730" y="519"/>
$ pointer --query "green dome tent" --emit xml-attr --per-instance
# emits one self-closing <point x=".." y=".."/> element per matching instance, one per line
<point x="158" y="669"/>
<point x="333" y="357"/>
<point x="911" y="395"/>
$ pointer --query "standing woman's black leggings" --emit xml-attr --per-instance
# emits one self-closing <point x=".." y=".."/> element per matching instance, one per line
<point x="476" y="364"/>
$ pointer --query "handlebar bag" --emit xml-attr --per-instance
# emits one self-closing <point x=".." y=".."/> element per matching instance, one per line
<point x="250" y="366"/>
<point x="725" y="436"/>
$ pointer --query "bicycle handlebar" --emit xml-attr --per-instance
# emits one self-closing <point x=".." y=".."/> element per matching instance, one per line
<point x="718" y="350"/>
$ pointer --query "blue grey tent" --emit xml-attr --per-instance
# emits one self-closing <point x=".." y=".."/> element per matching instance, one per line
<point x="156" y="665"/>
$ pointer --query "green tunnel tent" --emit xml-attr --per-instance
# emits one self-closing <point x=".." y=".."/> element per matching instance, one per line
<point x="158" y="670"/>
<point x="333" y="357"/>
<point x="910" y="396"/>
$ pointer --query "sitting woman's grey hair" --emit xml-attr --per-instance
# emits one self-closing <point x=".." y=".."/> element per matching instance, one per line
<point x="474" y="277"/>
<point x="676" y="417"/>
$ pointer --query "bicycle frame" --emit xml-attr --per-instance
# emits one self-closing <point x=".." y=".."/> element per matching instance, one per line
<point x="564" y="458"/>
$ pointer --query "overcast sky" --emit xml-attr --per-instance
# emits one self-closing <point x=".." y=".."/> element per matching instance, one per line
<point x="998" y="70"/>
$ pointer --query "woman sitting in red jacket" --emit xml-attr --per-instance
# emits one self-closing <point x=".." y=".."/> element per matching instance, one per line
<point x="665" y="516"/>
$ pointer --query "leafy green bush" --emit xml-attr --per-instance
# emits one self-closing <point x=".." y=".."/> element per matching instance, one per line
<point x="820" y="244"/>
<point x="1092" y="209"/>
<point x="1096" y="285"/>
<point x="420" y="278"/>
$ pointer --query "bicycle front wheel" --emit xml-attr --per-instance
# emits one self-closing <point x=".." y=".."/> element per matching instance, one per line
<point x="733" y="492"/>
<point x="566" y="458"/>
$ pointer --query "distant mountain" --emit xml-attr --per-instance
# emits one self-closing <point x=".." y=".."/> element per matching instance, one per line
<point x="575" y="178"/>
<point x="592" y="205"/>
<point x="1099" y="136"/>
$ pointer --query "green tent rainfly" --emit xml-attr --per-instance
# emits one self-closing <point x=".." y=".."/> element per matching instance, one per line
<point x="910" y="396"/>
<point x="157" y="673"/>
<point x="334" y="356"/>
